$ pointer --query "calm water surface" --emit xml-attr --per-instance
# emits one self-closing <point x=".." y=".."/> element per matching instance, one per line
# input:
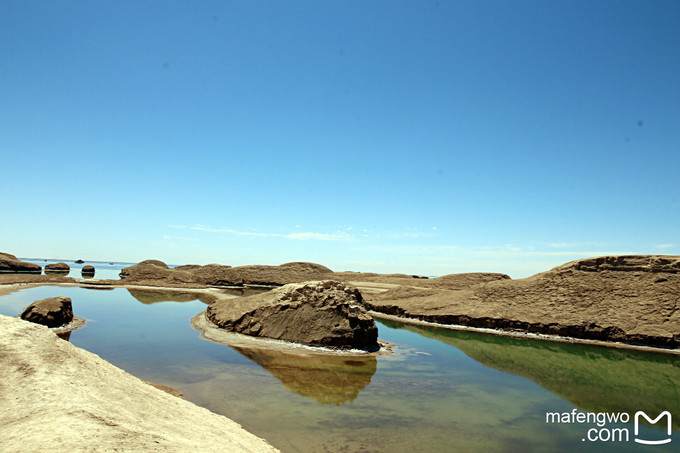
<point x="441" y="391"/>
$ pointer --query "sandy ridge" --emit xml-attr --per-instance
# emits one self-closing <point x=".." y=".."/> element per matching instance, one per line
<point x="58" y="397"/>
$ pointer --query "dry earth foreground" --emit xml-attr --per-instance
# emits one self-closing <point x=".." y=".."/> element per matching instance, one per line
<point x="60" y="398"/>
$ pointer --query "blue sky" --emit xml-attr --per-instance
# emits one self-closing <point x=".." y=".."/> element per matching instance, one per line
<point x="385" y="136"/>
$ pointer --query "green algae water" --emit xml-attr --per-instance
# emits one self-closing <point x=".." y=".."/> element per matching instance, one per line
<point x="440" y="391"/>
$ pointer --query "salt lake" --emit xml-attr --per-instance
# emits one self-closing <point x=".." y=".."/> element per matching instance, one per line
<point x="441" y="390"/>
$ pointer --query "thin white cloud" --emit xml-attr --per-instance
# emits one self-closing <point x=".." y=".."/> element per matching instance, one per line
<point x="665" y="246"/>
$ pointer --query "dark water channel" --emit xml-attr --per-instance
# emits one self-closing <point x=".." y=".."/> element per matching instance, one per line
<point x="440" y="391"/>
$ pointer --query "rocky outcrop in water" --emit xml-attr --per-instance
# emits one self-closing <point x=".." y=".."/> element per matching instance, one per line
<point x="87" y="271"/>
<point x="631" y="299"/>
<point x="57" y="268"/>
<point x="157" y="273"/>
<point x="146" y="270"/>
<point x="10" y="263"/>
<point x="50" y="312"/>
<point x="326" y="313"/>
<point x="261" y="274"/>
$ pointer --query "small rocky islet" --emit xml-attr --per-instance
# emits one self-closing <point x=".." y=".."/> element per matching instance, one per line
<point x="57" y="268"/>
<point x="325" y="313"/>
<point x="50" y="312"/>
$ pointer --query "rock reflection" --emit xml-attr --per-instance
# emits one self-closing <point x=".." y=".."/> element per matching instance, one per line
<point x="325" y="378"/>
<point x="152" y="296"/>
<point x="245" y="290"/>
<point x="60" y="273"/>
<point x="64" y="335"/>
<point x="594" y="378"/>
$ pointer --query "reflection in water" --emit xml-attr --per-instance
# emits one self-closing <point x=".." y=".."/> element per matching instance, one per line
<point x="594" y="378"/>
<point x="60" y="273"/>
<point x="64" y="335"/>
<point x="151" y="296"/>
<point x="245" y="290"/>
<point x="326" y="378"/>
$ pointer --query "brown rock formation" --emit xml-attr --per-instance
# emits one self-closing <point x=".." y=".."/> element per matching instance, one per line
<point x="10" y="263"/>
<point x="57" y="268"/>
<point x="151" y="271"/>
<point x="260" y="274"/>
<point x="87" y="271"/>
<point x="157" y="273"/>
<point x="50" y="312"/>
<point x="631" y="299"/>
<point x="325" y="313"/>
<point x="466" y="280"/>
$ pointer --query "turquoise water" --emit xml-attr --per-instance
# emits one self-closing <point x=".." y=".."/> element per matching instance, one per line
<point x="440" y="391"/>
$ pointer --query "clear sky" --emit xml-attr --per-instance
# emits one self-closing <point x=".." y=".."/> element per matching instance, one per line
<point x="425" y="137"/>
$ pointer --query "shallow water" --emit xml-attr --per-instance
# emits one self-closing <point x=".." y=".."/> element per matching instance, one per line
<point x="441" y="391"/>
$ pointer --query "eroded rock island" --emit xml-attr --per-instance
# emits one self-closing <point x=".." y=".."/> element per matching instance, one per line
<point x="10" y="263"/>
<point x="324" y="313"/>
<point x="50" y="312"/>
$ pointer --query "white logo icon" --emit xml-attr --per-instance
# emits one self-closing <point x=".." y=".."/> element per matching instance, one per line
<point x="651" y="422"/>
